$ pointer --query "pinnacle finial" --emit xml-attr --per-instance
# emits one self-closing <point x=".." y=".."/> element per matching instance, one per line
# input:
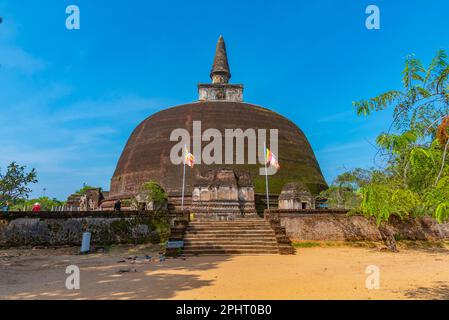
<point x="220" y="73"/>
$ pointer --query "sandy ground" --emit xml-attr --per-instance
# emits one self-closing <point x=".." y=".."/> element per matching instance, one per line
<point x="313" y="273"/>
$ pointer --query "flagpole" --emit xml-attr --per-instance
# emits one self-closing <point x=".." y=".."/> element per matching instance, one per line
<point x="266" y="175"/>
<point x="183" y="178"/>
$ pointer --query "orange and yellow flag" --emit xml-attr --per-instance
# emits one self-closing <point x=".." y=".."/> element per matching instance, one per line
<point x="272" y="160"/>
<point x="189" y="159"/>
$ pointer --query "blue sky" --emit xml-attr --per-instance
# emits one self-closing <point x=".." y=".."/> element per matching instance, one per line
<point x="70" y="99"/>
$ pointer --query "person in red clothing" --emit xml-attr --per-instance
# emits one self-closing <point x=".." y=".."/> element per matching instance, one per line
<point x="36" y="207"/>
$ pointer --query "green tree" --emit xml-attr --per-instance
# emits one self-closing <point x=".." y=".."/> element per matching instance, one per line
<point x="46" y="203"/>
<point x="154" y="192"/>
<point x="84" y="189"/>
<point x="424" y="101"/>
<point x="14" y="183"/>
<point x="437" y="199"/>
<point x="415" y="175"/>
<point x="343" y="191"/>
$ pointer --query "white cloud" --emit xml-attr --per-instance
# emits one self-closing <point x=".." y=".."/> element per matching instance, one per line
<point x="44" y="158"/>
<point x="337" y="158"/>
<point x="68" y="140"/>
<point x="121" y="107"/>
<point x="337" y="117"/>
<point x="17" y="59"/>
<point x="78" y="142"/>
<point x="345" y="147"/>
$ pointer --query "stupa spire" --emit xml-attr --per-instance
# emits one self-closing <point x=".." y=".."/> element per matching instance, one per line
<point x="220" y="89"/>
<point x="220" y="73"/>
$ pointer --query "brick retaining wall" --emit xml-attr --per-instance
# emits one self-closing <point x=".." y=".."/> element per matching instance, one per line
<point x="66" y="228"/>
<point x="338" y="225"/>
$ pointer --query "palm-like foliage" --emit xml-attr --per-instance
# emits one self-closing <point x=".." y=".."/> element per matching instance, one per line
<point x="424" y="99"/>
<point x="415" y="178"/>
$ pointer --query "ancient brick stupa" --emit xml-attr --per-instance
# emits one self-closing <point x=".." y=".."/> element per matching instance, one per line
<point x="220" y="106"/>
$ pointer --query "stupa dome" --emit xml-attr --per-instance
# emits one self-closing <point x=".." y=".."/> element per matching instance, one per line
<point x="146" y="155"/>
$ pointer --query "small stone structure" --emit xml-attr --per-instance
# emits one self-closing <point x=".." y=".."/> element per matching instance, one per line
<point x="142" y="202"/>
<point x="89" y="201"/>
<point x="73" y="202"/>
<point x="223" y="194"/>
<point x="296" y="196"/>
<point x="93" y="199"/>
<point x="227" y="92"/>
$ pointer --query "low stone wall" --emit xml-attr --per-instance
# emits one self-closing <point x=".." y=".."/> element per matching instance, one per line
<point x="337" y="225"/>
<point x="66" y="228"/>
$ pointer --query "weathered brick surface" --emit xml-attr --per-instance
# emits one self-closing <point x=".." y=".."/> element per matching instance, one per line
<point x="138" y="163"/>
<point x="338" y="225"/>
<point x="66" y="228"/>
<point x="283" y="241"/>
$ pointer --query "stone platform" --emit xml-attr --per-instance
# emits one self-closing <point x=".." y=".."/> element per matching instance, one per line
<point x="222" y="210"/>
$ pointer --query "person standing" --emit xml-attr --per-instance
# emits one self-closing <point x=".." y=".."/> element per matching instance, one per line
<point x="5" y="208"/>
<point x="118" y="205"/>
<point x="36" y="207"/>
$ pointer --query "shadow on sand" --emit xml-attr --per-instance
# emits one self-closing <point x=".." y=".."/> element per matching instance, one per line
<point x="438" y="292"/>
<point x="101" y="278"/>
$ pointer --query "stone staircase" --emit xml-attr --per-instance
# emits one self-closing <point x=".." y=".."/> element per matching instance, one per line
<point x="243" y="236"/>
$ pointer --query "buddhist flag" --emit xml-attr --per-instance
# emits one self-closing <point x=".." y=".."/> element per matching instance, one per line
<point x="189" y="158"/>
<point x="272" y="160"/>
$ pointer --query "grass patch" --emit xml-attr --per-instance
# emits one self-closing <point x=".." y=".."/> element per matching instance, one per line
<point x="306" y="244"/>
<point x="330" y="244"/>
<point x="402" y="244"/>
<point x="422" y="244"/>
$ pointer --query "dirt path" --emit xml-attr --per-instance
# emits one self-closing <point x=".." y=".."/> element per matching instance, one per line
<point x="313" y="273"/>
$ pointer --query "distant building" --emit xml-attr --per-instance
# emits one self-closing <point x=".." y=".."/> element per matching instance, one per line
<point x="296" y="196"/>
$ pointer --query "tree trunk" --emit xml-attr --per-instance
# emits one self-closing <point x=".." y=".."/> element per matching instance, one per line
<point x="388" y="238"/>
<point x="442" y="163"/>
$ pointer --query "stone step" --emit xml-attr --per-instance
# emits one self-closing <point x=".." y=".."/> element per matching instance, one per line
<point x="223" y="237"/>
<point x="224" y="234"/>
<point x="230" y="251"/>
<point x="192" y="229"/>
<point x="229" y="225"/>
<point x="228" y="228"/>
<point x="243" y="236"/>
<point x="229" y="242"/>
<point x="231" y="245"/>
<point x="242" y="221"/>
<point x="234" y="220"/>
<point x="229" y="222"/>
<point x="232" y="234"/>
